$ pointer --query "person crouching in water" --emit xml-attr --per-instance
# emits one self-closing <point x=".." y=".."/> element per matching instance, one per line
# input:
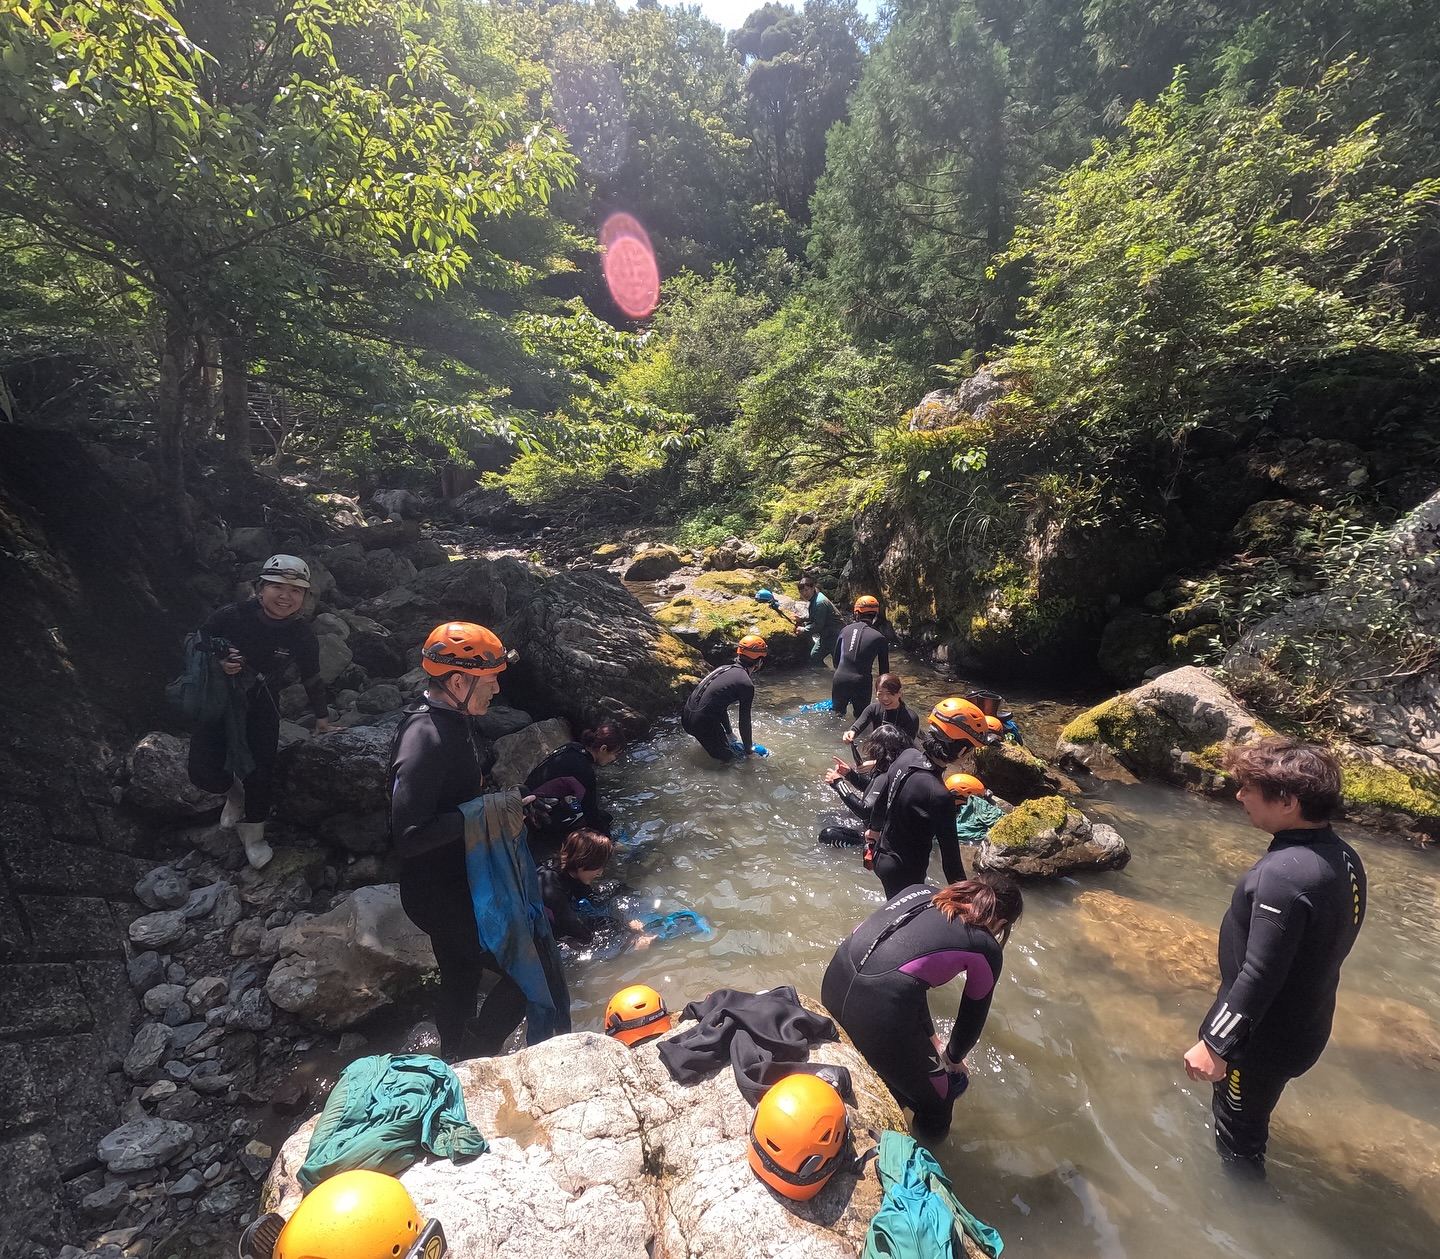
<point x="878" y="983"/>
<point x="859" y="789"/>
<point x="267" y="640"/>
<point x="706" y="716"/>
<point x="434" y="769"/>
<point x="566" y="880"/>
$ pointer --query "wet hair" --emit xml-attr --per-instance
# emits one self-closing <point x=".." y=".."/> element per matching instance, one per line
<point x="885" y="745"/>
<point x="992" y="901"/>
<point x="808" y="579"/>
<point x="889" y="683"/>
<point x="939" y="748"/>
<point x="1283" y="768"/>
<point x="585" y="850"/>
<point x="608" y="736"/>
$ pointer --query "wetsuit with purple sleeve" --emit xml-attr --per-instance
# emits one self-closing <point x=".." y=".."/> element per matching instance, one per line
<point x="877" y="984"/>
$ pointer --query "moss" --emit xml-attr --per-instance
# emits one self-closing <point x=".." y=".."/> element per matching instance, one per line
<point x="1034" y="817"/>
<point x="1140" y="738"/>
<point x="1384" y="787"/>
<point x="1196" y="646"/>
<point x="737" y="582"/>
<point x="1211" y="757"/>
<point x="608" y="551"/>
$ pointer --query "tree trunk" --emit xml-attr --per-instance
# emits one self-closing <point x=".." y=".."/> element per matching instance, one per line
<point x="234" y="379"/>
<point x="177" y="369"/>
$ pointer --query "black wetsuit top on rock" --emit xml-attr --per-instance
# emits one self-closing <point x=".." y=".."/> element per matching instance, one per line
<point x="710" y="701"/>
<point x="859" y="647"/>
<point x="573" y="760"/>
<point x="270" y="647"/>
<point x="877" y="715"/>
<point x="913" y="811"/>
<point x="1292" y="920"/>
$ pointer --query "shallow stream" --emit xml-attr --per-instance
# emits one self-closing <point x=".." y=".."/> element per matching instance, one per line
<point x="1080" y="1135"/>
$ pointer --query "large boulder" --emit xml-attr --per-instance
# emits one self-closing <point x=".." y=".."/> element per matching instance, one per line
<point x="1171" y="728"/>
<point x="517" y="754"/>
<point x="467" y="590"/>
<point x="653" y="563"/>
<point x="342" y="772"/>
<point x="157" y="779"/>
<point x="714" y="611"/>
<point x="1015" y="774"/>
<point x="1130" y="644"/>
<point x="596" y="1151"/>
<point x="1043" y="838"/>
<point x="337" y="969"/>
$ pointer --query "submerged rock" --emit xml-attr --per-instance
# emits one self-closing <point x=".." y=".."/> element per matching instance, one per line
<point x="1045" y="837"/>
<point x="596" y="1151"/>
<point x="336" y="969"/>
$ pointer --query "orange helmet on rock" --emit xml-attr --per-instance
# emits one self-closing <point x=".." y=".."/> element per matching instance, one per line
<point x="962" y="721"/>
<point x="995" y="726"/>
<point x="867" y="605"/>
<point x="964" y="785"/>
<point x="797" y="1136"/>
<point x="352" y="1215"/>
<point x="462" y="645"/>
<point x="752" y="647"/>
<point x="636" y="1013"/>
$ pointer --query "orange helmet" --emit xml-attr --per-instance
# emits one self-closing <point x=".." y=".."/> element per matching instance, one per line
<point x="960" y="720"/>
<point x="352" y="1215"/>
<point x="994" y="725"/>
<point x="867" y="605"/>
<point x="462" y="645"/>
<point x="798" y="1136"/>
<point x="752" y="647"/>
<point x="960" y="785"/>
<point x="635" y="1014"/>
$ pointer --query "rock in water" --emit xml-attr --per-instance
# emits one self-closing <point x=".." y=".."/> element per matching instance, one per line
<point x="653" y="563"/>
<point x="344" y="771"/>
<point x="596" y="1151"/>
<point x="1046" y="837"/>
<point x="143" y="1144"/>
<point x="517" y="754"/>
<point x="1015" y="774"/>
<point x="336" y="969"/>
<point x="157" y="779"/>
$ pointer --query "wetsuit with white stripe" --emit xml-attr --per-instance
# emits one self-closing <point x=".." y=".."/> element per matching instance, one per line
<point x="859" y="646"/>
<point x="878" y="992"/>
<point x="1291" y="923"/>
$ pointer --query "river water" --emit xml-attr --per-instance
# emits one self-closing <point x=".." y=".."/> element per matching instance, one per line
<point x="1080" y="1135"/>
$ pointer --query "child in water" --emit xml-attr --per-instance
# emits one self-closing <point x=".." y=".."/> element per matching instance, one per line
<point x="565" y="881"/>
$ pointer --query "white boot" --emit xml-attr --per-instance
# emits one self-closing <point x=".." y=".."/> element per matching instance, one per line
<point x="234" y="811"/>
<point x="257" y="851"/>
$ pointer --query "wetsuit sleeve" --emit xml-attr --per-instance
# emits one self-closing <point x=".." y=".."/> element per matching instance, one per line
<point x="595" y="817"/>
<point x="865" y="720"/>
<point x="564" y="917"/>
<point x="745" y="702"/>
<point x="1278" y="912"/>
<point x="941" y="812"/>
<point x="876" y="799"/>
<point x="852" y="799"/>
<point x="969" y="1023"/>
<point x="416" y="824"/>
<point x="884" y="656"/>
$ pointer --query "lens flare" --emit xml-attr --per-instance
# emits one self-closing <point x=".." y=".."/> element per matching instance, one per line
<point x="631" y="272"/>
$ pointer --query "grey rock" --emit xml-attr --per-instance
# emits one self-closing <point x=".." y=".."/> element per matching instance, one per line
<point x="145" y="970"/>
<point x="1077" y="845"/>
<point x="159" y="998"/>
<point x="188" y="1184"/>
<point x="335" y="656"/>
<point x="203" y="900"/>
<point x="357" y="832"/>
<point x="163" y="888"/>
<point x="158" y="1091"/>
<point x="186" y="1034"/>
<point x="338" y="968"/>
<point x="157" y="778"/>
<point x="500" y="720"/>
<point x="206" y="993"/>
<point x="381" y="698"/>
<point x="247" y="937"/>
<point x="253" y="1012"/>
<point x="176" y="1014"/>
<point x="107" y="1202"/>
<point x="175" y="973"/>
<point x="143" y="1144"/>
<point x="517" y="754"/>
<point x="181" y="1105"/>
<point x="227" y="907"/>
<point x="245" y="975"/>
<point x="329" y="623"/>
<point x="178" y="1070"/>
<point x="345" y="771"/>
<point x="154" y="931"/>
<point x="149" y="1047"/>
<point x="224" y="1199"/>
<point x="653" y="563"/>
<point x="251" y="543"/>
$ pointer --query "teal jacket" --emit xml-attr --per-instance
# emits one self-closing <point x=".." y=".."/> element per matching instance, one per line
<point x="920" y="1218"/>
<point x="384" y="1113"/>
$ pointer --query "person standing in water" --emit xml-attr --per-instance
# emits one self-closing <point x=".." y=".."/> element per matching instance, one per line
<point x="434" y="768"/>
<point x="1292" y="921"/>
<point x="859" y="646"/>
<point x="822" y="620"/>
<point x="878" y="983"/>
<point x="888" y="709"/>
<point x="267" y="640"/>
<point x="706" y="715"/>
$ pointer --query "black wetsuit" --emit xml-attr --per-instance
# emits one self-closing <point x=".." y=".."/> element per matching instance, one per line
<point x="561" y="894"/>
<point x="912" y="812"/>
<point x="879" y="996"/>
<point x="860" y="645"/>
<point x="858" y="792"/>
<point x="1290" y="925"/>
<point x="877" y="715"/>
<point x="434" y="768"/>
<point x="270" y="649"/>
<point x="573" y="760"/>
<point x="706" y="715"/>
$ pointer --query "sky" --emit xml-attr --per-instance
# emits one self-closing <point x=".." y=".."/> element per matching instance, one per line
<point x="731" y="13"/>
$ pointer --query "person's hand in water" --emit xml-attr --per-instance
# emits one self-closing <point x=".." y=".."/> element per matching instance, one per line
<point x="1202" y="1063"/>
<point x="642" y="941"/>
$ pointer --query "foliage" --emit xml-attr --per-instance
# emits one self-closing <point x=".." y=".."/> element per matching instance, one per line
<point x="1214" y="246"/>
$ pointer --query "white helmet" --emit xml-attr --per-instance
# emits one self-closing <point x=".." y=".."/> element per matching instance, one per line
<point x="286" y="570"/>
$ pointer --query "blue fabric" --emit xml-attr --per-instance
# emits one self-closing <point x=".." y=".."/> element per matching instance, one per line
<point x="510" y="913"/>
<point x="920" y="1218"/>
<point x="683" y="922"/>
<point x="974" y="819"/>
<point x="384" y="1113"/>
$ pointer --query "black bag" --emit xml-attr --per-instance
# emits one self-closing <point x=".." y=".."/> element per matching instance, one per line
<point x="201" y="693"/>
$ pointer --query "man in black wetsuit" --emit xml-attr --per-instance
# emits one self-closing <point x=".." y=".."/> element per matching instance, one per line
<point x="859" y="646"/>
<point x="1290" y="925"/>
<point x="267" y="639"/>
<point x="912" y="811"/>
<point x="706" y="715"/>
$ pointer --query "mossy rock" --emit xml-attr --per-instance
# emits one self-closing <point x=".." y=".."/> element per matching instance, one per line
<point x="1195" y="646"/>
<point x="608" y="552"/>
<point x="1028" y="821"/>
<point x="1013" y="773"/>
<point x="714" y="627"/>
<point x="1141" y="739"/>
<point x="1373" y="786"/>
